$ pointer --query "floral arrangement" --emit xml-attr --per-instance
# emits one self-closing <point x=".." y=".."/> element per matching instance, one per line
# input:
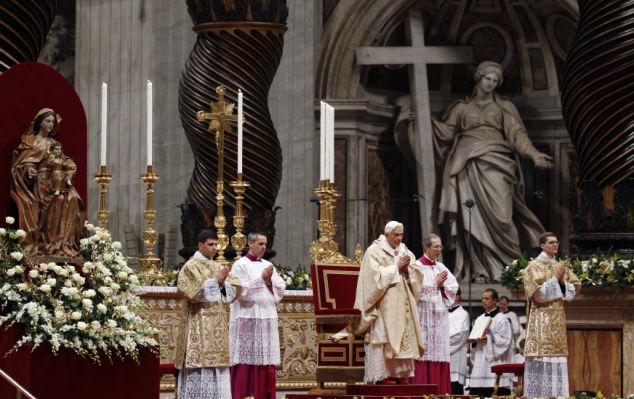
<point x="597" y="271"/>
<point x="297" y="279"/>
<point x="89" y="309"/>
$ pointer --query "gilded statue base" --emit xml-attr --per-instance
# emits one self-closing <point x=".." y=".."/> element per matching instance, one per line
<point x="150" y="272"/>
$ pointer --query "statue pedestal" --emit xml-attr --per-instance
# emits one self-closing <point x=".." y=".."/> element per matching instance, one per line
<point x="600" y="340"/>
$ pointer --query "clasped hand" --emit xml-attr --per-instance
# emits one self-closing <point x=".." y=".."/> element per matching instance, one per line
<point x="403" y="262"/>
<point x="441" y="278"/>
<point x="560" y="272"/>
<point x="267" y="273"/>
<point x="221" y="275"/>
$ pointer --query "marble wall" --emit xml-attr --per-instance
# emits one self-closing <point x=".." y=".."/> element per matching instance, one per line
<point x="127" y="42"/>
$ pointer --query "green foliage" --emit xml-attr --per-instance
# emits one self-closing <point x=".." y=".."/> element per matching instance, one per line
<point x="298" y="279"/>
<point x="599" y="270"/>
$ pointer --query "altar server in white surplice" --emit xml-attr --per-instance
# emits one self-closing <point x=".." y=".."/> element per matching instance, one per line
<point x="459" y="326"/>
<point x="437" y="295"/>
<point x="255" y="341"/>
<point x="494" y="347"/>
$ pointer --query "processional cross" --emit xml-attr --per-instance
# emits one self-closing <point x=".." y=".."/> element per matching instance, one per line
<point x="418" y="56"/>
<point x="220" y="119"/>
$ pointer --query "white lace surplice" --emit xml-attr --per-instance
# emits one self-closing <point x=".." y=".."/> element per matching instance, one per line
<point x="433" y="312"/>
<point x="497" y="350"/>
<point x="204" y="383"/>
<point x="548" y="376"/>
<point x="458" y="334"/>
<point x="254" y="337"/>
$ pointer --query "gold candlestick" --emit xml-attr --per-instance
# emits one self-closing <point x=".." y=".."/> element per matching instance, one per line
<point x="149" y="265"/>
<point x="238" y="240"/>
<point x="103" y="178"/>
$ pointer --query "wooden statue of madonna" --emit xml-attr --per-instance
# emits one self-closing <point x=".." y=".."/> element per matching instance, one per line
<point x="49" y="207"/>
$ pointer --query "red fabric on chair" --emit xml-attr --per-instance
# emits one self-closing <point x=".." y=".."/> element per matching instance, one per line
<point x="334" y="288"/>
<point x="167" y="368"/>
<point x="509" y="368"/>
<point x="24" y="90"/>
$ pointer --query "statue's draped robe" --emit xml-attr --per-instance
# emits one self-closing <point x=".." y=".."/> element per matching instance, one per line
<point x="480" y="143"/>
<point x="497" y="350"/>
<point x="255" y="341"/>
<point x="387" y="301"/>
<point x="433" y="366"/>
<point x="202" y="350"/>
<point x="546" y="345"/>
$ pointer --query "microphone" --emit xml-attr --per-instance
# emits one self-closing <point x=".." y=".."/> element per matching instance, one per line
<point x="469" y="203"/>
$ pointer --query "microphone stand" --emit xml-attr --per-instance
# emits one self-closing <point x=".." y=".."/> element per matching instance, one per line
<point x="469" y="204"/>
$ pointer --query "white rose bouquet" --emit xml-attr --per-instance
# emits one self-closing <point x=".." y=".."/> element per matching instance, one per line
<point x="90" y="309"/>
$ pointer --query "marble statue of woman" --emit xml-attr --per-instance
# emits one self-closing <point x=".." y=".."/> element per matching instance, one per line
<point x="49" y="207"/>
<point x="479" y="140"/>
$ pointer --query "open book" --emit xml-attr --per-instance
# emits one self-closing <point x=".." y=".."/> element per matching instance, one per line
<point x="479" y="329"/>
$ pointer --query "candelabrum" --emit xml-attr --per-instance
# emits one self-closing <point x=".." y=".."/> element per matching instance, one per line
<point x="149" y="265"/>
<point x="325" y="247"/>
<point x="238" y="240"/>
<point x="103" y="178"/>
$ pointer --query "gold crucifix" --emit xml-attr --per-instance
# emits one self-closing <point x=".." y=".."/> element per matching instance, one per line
<point x="219" y="121"/>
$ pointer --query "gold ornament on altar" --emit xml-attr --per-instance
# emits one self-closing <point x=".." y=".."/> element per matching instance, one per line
<point x="220" y="119"/>
<point x="150" y="271"/>
<point x="103" y="178"/>
<point x="325" y="249"/>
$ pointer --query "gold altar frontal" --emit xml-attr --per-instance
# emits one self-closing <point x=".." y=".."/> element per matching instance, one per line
<point x="297" y="370"/>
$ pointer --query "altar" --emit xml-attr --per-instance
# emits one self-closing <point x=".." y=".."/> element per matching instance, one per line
<point x="298" y="338"/>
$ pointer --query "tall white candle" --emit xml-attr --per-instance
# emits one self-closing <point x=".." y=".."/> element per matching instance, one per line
<point x="240" y="120"/>
<point x="322" y="141"/>
<point x="330" y="123"/>
<point x="149" y="123"/>
<point x="104" y="121"/>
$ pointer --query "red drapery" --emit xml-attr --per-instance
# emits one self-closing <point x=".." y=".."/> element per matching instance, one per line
<point x="70" y="376"/>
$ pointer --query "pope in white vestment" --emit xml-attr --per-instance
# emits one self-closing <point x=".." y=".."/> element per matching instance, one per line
<point x="389" y="283"/>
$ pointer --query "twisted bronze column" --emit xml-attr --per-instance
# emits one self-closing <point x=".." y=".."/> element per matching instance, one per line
<point x="598" y="107"/>
<point x="239" y="46"/>
<point x="23" y="29"/>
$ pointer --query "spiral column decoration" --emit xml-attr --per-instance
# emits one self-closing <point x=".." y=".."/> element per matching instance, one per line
<point x="598" y="107"/>
<point x="24" y="25"/>
<point x="239" y="46"/>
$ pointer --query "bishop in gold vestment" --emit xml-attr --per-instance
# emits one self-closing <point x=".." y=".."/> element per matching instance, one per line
<point x="202" y="350"/>
<point x="548" y="284"/>
<point x="388" y="287"/>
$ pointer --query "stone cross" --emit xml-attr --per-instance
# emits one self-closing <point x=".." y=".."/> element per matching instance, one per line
<point x="418" y="56"/>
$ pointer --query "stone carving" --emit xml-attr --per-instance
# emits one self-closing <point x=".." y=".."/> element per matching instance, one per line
<point x="477" y="143"/>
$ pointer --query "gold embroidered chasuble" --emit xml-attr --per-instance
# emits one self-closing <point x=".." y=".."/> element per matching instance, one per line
<point x="204" y="336"/>
<point x="387" y="300"/>
<point x="546" y="329"/>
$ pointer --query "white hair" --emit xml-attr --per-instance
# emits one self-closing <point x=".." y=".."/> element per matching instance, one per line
<point x="391" y="225"/>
